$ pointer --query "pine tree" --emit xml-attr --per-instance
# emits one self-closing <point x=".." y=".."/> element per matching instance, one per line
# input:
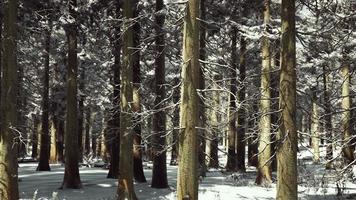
<point x="189" y="114"/>
<point x="287" y="136"/>
<point x="8" y="150"/>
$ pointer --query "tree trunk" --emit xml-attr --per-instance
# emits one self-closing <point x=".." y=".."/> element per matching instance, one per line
<point x="231" y="153"/>
<point x="35" y="132"/>
<point x="137" y="146"/>
<point x="189" y="113"/>
<point x="43" y="164"/>
<point x="241" y="118"/>
<point x="87" y="131"/>
<point x="53" y="155"/>
<point x="264" y="175"/>
<point x="8" y="150"/>
<point x="348" y="147"/>
<point x="115" y="120"/>
<point x="176" y="96"/>
<point x="159" y="173"/>
<point x="315" y="128"/>
<point x="71" y="175"/>
<point x="213" y="141"/>
<point x="125" y="186"/>
<point x="287" y="136"/>
<point x="328" y="119"/>
<point x="81" y="113"/>
<point x="60" y="141"/>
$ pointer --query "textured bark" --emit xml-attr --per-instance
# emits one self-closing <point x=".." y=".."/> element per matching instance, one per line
<point x="315" y="140"/>
<point x="264" y="175"/>
<point x="231" y="153"/>
<point x="328" y="119"/>
<point x="348" y="147"/>
<point x="213" y="141"/>
<point x="287" y="136"/>
<point x="115" y="119"/>
<point x="187" y="186"/>
<point x="136" y="104"/>
<point x="241" y="116"/>
<point x="81" y="113"/>
<point x="53" y="154"/>
<point x="125" y="186"/>
<point x="60" y="140"/>
<point x="43" y="164"/>
<point x="87" y="132"/>
<point x="71" y="174"/>
<point x="8" y="150"/>
<point x="159" y="173"/>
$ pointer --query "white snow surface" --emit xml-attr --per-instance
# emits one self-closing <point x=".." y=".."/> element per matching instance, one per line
<point x="315" y="183"/>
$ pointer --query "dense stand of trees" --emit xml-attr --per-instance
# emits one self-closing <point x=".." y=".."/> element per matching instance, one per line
<point x="117" y="81"/>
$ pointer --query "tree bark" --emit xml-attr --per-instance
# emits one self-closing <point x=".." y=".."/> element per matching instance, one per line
<point x="189" y="113"/>
<point x="348" y="147"/>
<point x="175" y="146"/>
<point x="231" y="152"/>
<point x="71" y="174"/>
<point x="315" y="140"/>
<point x="8" y="150"/>
<point x="287" y="136"/>
<point x="241" y="116"/>
<point x="137" y="144"/>
<point x="125" y="186"/>
<point x="159" y="177"/>
<point x="264" y="175"/>
<point x="43" y="164"/>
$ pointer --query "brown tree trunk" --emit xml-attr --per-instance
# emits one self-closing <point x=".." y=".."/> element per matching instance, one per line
<point x="231" y="152"/>
<point x="136" y="104"/>
<point x="8" y="150"/>
<point x="87" y="131"/>
<point x="60" y="141"/>
<point x="35" y="133"/>
<point x="240" y="140"/>
<point x="189" y="112"/>
<point x="159" y="173"/>
<point x="71" y="175"/>
<point x="125" y="186"/>
<point x="115" y="120"/>
<point x="53" y="155"/>
<point x="287" y="187"/>
<point x="81" y="113"/>
<point x="43" y="164"/>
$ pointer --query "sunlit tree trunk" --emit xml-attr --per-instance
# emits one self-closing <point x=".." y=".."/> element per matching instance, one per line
<point x="71" y="174"/>
<point x="315" y="128"/>
<point x="8" y="150"/>
<point x="159" y="176"/>
<point x="125" y="186"/>
<point x="264" y="175"/>
<point x="348" y="147"/>
<point x="187" y="186"/>
<point x="287" y="136"/>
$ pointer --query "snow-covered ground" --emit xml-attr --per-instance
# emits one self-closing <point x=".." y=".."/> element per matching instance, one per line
<point x="314" y="184"/>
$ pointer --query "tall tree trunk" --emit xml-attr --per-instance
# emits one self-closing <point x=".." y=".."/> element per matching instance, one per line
<point x="8" y="150"/>
<point x="287" y="136"/>
<point x="43" y="164"/>
<point x="60" y="141"/>
<point x="159" y="173"/>
<point x="328" y="119"/>
<point x="241" y="118"/>
<point x="348" y="147"/>
<point x="231" y="153"/>
<point x="125" y="186"/>
<point x="137" y="148"/>
<point x="315" y="140"/>
<point x="53" y="155"/>
<point x="87" y="131"/>
<point x="176" y="96"/>
<point x="189" y="113"/>
<point x="115" y="121"/>
<point x="264" y="175"/>
<point x="71" y="175"/>
<point x="213" y="141"/>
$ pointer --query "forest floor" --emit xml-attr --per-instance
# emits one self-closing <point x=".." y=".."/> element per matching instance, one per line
<point x="315" y="183"/>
